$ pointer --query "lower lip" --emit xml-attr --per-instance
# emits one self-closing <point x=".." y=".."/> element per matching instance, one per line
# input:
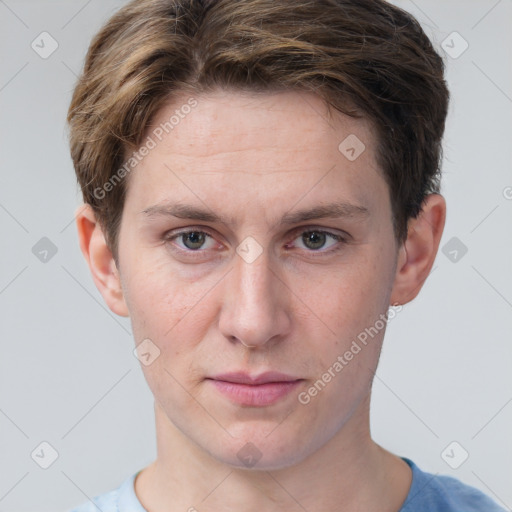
<point x="255" y="395"/>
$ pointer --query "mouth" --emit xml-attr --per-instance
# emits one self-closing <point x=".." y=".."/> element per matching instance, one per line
<point x="255" y="391"/>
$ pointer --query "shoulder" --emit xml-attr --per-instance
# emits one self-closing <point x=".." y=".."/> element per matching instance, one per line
<point x="105" y="502"/>
<point x="440" y="493"/>
<point x="113" y="501"/>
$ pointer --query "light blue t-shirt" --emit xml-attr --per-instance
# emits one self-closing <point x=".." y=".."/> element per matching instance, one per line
<point x="428" y="493"/>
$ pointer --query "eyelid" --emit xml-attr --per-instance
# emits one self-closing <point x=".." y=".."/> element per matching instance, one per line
<point x="317" y="229"/>
<point x="173" y="234"/>
<point x="341" y="239"/>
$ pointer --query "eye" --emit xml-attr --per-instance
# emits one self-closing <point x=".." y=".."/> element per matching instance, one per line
<point x="199" y="242"/>
<point x="316" y="239"/>
<point x="192" y="240"/>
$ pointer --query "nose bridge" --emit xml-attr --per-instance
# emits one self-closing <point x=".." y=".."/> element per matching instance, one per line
<point x="253" y="281"/>
<point x="253" y="311"/>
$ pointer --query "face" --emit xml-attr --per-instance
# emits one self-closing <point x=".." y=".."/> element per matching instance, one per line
<point x="250" y="243"/>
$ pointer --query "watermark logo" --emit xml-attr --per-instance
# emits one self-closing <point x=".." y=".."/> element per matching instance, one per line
<point x="146" y="352"/>
<point x="44" y="455"/>
<point x="44" y="45"/>
<point x="454" y="249"/>
<point x="454" y="45"/>
<point x="249" y="249"/>
<point x="351" y="147"/>
<point x="454" y="455"/>
<point x="44" y="250"/>
<point x="249" y="455"/>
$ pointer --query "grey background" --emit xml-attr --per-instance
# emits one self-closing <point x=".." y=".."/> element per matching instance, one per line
<point x="67" y="372"/>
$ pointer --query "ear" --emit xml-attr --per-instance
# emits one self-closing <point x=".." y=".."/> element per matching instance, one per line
<point x="100" y="260"/>
<point x="417" y="254"/>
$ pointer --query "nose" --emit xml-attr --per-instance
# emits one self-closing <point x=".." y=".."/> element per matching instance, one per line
<point x="256" y="304"/>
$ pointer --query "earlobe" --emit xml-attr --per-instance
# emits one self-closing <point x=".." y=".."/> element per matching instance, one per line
<point x="100" y="260"/>
<point x="418" y="253"/>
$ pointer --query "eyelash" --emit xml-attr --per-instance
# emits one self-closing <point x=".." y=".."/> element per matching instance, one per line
<point x="171" y="236"/>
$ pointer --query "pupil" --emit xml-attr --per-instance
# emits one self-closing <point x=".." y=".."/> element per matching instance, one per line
<point x="313" y="239"/>
<point x="196" y="238"/>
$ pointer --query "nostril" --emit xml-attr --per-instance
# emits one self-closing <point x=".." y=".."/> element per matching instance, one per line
<point x="248" y="346"/>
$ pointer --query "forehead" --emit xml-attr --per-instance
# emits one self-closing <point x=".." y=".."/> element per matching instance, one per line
<point x="286" y="121"/>
<point x="261" y="146"/>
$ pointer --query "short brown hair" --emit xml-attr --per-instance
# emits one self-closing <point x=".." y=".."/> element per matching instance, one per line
<point x="362" y="57"/>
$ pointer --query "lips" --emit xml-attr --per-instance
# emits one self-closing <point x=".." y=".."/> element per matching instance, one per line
<point x="263" y="378"/>
<point x="255" y="391"/>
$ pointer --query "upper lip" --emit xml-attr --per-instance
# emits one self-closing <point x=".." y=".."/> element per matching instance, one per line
<point x="262" y="378"/>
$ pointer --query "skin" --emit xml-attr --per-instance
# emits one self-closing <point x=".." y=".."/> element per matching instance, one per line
<point x="294" y="309"/>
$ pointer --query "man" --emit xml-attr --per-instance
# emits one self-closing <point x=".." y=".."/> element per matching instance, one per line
<point x="261" y="184"/>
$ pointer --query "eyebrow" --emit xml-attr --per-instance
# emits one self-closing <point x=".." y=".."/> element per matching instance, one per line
<point x="331" y="210"/>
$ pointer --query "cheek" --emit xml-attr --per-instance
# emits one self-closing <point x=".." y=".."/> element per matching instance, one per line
<point x="353" y="309"/>
<point x="156" y="298"/>
<point x="355" y="297"/>
<point x="352" y="304"/>
<point x="175" y="313"/>
<point x="174" y="316"/>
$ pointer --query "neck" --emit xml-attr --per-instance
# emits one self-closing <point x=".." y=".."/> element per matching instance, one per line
<point x="350" y="472"/>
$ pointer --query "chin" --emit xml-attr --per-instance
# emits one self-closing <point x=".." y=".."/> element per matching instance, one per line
<point x="261" y="449"/>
